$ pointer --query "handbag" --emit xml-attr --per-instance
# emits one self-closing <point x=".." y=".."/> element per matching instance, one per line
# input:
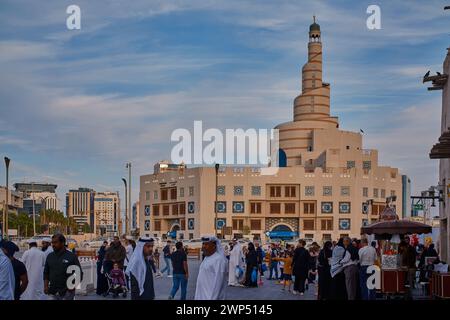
<point x="254" y="276"/>
<point x="238" y="272"/>
<point x="264" y="267"/>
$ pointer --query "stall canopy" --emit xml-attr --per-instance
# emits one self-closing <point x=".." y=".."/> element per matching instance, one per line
<point x="389" y="225"/>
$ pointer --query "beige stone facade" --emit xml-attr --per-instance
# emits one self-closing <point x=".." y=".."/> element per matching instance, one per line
<point x="444" y="169"/>
<point x="322" y="193"/>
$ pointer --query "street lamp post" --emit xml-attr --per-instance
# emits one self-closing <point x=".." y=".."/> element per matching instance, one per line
<point x="215" y="203"/>
<point x="128" y="165"/>
<point x="126" y="206"/>
<point x="6" y="208"/>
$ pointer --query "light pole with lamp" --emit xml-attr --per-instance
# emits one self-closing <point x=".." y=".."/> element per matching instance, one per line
<point x="128" y="166"/>
<point x="6" y="208"/>
<point x="126" y="206"/>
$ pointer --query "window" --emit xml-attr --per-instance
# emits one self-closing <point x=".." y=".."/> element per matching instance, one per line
<point x="183" y="224"/>
<point x="326" y="224"/>
<point x="147" y="210"/>
<point x="393" y="175"/>
<point x="275" y="208"/>
<point x="377" y="209"/>
<point x="256" y="190"/>
<point x="182" y="208"/>
<point x="147" y="225"/>
<point x="308" y="224"/>
<point x="289" y="208"/>
<point x="327" y="190"/>
<point x="344" y="224"/>
<point x="309" y="236"/>
<point x="367" y="165"/>
<point x="238" y="170"/>
<point x="345" y="191"/>
<point x="147" y="196"/>
<point x="350" y="164"/>
<point x="191" y="207"/>
<point x="156" y="210"/>
<point x="309" y="191"/>
<point x="238" y="206"/>
<point x="309" y="207"/>
<point x="157" y="225"/>
<point x="191" y="224"/>
<point x="238" y="190"/>
<point x="255" y="207"/>
<point x="163" y="194"/>
<point x="365" y="208"/>
<point x="344" y="207"/>
<point x="365" y="222"/>
<point x="327" y="207"/>
<point x="365" y="192"/>
<point x="221" y="223"/>
<point x="383" y="193"/>
<point x="326" y="237"/>
<point x="255" y="224"/>
<point x="343" y="235"/>
<point x="191" y="191"/>
<point x="173" y="193"/>
<point x="289" y="192"/>
<point x="155" y="195"/>
<point x="275" y="191"/>
<point x="392" y="194"/>
<point x="238" y="224"/>
<point x="221" y="206"/>
<point x="375" y="193"/>
<point x="181" y="192"/>
<point x="175" y="209"/>
<point x="166" y="210"/>
<point x="221" y="190"/>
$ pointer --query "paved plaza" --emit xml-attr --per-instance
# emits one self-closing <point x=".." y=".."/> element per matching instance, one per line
<point x="270" y="290"/>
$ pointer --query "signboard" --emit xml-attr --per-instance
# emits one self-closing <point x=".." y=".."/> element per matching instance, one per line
<point x="282" y="234"/>
<point x="418" y="207"/>
<point x="12" y="232"/>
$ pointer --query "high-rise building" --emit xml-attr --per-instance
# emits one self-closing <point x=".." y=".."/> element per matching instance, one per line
<point x="107" y="213"/>
<point x="327" y="187"/>
<point x="80" y="206"/>
<point x="38" y="196"/>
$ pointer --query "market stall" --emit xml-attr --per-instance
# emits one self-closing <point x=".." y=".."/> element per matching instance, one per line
<point x="389" y="232"/>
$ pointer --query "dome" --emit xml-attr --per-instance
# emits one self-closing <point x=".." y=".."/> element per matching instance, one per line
<point x="314" y="27"/>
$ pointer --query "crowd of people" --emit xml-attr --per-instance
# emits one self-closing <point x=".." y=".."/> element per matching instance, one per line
<point x="336" y="271"/>
<point x="41" y="273"/>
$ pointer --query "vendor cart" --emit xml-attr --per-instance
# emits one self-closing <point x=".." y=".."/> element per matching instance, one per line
<point x="388" y="231"/>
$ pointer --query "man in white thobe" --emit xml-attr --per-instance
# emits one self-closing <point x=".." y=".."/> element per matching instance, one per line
<point x="212" y="275"/>
<point x="34" y="260"/>
<point x="236" y="260"/>
<point x="7" y="280"/>
<point x="47" y="246"/>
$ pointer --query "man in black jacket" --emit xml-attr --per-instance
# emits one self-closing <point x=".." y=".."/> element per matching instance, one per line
<point x="56" y="271"/>
<point x="300" y="267"/>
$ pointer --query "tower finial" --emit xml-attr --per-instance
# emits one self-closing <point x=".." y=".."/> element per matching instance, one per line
<point x="314" y="18"/>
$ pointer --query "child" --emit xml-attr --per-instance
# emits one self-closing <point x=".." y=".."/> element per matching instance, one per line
<point x="287" y="270"/>
<point x="118" y="277"/>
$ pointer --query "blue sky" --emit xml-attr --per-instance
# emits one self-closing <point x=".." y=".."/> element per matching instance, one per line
<point x="76" y="105"/>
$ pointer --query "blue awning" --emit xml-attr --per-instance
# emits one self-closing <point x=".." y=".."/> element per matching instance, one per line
<point x="283" y="234"/>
